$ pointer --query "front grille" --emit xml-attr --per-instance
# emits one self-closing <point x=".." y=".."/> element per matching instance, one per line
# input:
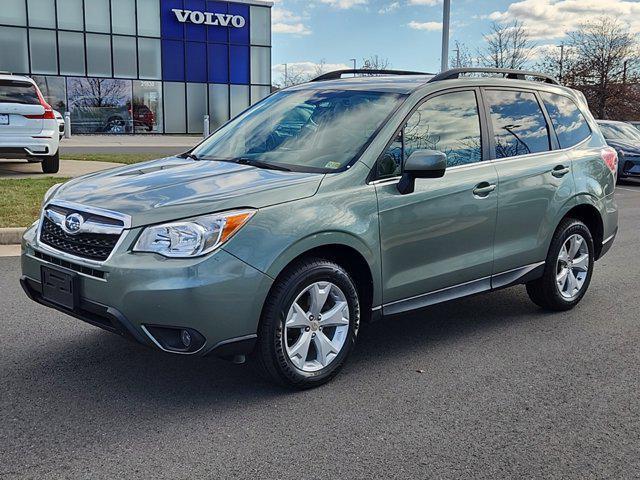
<point x="71" y="266"/>
<point x="93" y="246"/>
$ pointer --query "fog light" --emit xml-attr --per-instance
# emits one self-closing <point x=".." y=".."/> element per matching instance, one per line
<point x="185" y="336"/>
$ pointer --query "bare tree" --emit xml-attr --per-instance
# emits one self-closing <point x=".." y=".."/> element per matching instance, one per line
<point x="507" y="46"/>
<point x="375" y="62"/>
<point x="461" y="57"/>
<point x="606" y="62"/>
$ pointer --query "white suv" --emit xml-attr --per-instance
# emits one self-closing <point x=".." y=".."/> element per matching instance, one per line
<point x="28" y="126"/>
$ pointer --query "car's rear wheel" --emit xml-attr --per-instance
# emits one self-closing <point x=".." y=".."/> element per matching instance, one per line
<point x="568" y="268"/>
<point x="309" y="324"/>
<point x="51" y="164"/>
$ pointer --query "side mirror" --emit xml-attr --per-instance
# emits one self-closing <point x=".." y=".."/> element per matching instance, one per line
<point x="421" y="164"/>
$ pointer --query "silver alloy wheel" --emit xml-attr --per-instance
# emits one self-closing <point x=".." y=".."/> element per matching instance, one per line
<point x="317" y="326"/>
<point x="572" y="266"/>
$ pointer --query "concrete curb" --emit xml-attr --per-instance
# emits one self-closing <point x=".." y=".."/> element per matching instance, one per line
<point x="11" y="236"/>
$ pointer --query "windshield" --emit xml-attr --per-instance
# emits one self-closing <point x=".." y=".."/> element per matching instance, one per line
<point x="305" y="130"/>
<point x="620" y="131"/>
<point x="13" y="91"/>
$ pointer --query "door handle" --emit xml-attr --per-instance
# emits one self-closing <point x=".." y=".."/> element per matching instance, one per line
<point x="483" y="189"/>
<point x="560" y="171"/>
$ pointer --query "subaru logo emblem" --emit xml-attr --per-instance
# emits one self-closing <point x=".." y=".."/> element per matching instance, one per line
<point x="73" y="223"/>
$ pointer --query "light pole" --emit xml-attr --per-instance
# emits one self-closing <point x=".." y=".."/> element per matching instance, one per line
<point x="446" y="18"/>
<point x="561" y="61"/>
<point x="354" y="64"/>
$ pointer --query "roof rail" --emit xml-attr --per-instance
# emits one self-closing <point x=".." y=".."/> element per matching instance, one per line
<point x="506" y="72"/>
<point x="337" y="74"/>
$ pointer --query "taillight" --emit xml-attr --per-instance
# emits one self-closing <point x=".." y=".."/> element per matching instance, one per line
<point x="610" y="158"/>
<point x="48" y="111"/>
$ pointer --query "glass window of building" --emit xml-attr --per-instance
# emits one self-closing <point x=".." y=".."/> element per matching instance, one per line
<point x="44" y="55"/>
<point x="125" y="60"/>
<point x="70" y="15"/>
<point x="239" y="100"/>
<point x="147" y="106"/>
<point x="260" y="25"/>
<point x="98" y="16"/>
<point x="54" y="91"/>
<point x="13" y="12"/>
<point x="258" y="92"/>
<point x="196" y="106"/>
<point x="148" y="18"/>
<point x="98" y="55"/>
<point x="14" y="54"/>
<point x="149" y="58"/>
<point x="100" y="105"/>
<point x="218" y="105"/>
<point x="123" y="16"/>
<point x="174" y="102"/>
<point x="71" y="53"/>
<point x="42" y="13"/>
<point x="260" y="65"/>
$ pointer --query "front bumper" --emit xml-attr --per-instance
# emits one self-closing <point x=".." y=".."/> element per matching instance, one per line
<point x="218" y="295"/>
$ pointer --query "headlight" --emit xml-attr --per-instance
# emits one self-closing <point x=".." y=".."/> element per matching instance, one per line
<point x="49" y="193"/>
<point x="193" y="237"/>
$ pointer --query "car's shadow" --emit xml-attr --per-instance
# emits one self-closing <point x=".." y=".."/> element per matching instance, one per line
<point x="98" y="364"/>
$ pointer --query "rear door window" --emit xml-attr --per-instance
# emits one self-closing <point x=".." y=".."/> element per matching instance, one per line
<point x="519" y="126"/>
<point x="570" y="125"/>
<point x="12" y="91"/>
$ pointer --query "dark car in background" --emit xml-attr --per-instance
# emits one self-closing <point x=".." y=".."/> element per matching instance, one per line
<point x="625" y="139"/>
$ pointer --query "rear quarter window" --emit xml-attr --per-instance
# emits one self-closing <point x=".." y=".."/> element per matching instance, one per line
<point x="568" y="121"/>
<point x="12" y="91"/>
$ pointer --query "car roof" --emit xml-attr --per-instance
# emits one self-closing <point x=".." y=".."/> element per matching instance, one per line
<point x="610" y="122"/>
<point x="20" y="78"/>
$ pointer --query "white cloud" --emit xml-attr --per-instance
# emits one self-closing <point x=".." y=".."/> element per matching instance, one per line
<point x="429" y="3"/>
<point x="554" y="18"/>
<point x="285" y="21"/>
<point x="429" y="26"/>
<point x="389" y="8"/>
<point x="344" y="4"/>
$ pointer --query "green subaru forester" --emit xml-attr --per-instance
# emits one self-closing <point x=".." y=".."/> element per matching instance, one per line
<point x="331" y="204"/>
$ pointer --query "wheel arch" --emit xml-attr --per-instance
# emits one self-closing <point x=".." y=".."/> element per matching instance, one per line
<point x="356" y="259"/>
<point x="588" y="213"/>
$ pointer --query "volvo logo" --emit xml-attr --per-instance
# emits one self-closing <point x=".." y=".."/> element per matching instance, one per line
<point x="73" y="223"/>
<point x="208" y="18"/>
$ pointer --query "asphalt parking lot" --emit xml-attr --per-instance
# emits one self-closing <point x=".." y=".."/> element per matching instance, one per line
<point x="486" y="387"/>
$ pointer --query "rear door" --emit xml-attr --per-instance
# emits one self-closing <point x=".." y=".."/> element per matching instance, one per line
<point x="441" y="235"/>
<point x="535" y="180"/>
<point x="19" y="100"/>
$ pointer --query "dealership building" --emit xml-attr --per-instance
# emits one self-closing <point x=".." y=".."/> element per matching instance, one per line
<point x="141" y="66"/>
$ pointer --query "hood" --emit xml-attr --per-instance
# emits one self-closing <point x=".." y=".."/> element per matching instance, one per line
<point x="174" y="188"/>
<point x="627" y="146"/>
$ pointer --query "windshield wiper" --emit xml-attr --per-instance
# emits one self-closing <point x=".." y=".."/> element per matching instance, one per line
<point x="190" y="155"/>
<point x="257" y="163"/>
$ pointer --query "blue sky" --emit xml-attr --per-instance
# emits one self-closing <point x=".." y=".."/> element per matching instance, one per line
<point x="408" y="32"/>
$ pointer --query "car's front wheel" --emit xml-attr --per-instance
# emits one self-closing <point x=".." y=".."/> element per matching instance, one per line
<point x="309" y="324"/>
<point x="568" y="268"/>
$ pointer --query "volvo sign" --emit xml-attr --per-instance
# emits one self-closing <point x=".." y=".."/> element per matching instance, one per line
<point x="208" y="18"/>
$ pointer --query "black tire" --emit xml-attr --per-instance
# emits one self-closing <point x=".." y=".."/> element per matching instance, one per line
<point x="51" y="164"/>
<point x="270" y="352"/>
<point x="544" y="291"/>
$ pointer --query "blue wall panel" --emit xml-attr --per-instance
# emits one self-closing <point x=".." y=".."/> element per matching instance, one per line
<point x="196" y="56"/>
<point x="218" y="56"/>
<point x="205" y="53"/>
<point x="239" y="68"/>
<point x="171" y="28"/>
<point x="194" y="31"/>
<point x="173" y="60"/>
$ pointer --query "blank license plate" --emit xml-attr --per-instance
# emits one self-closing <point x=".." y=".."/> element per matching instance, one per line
<point x="60" y="287"/>
<point x="4" y="119"/>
